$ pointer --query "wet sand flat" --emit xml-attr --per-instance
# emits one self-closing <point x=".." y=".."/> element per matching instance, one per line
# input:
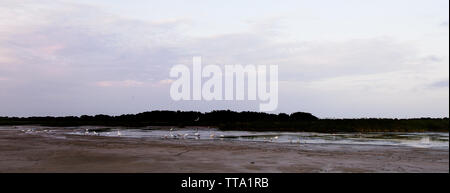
<point x="22" y="152"/>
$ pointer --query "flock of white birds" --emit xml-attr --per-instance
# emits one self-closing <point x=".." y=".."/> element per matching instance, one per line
<point x="172" y="134"/>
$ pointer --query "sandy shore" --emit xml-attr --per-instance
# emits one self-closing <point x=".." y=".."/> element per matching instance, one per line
<point x="22" y="152"/>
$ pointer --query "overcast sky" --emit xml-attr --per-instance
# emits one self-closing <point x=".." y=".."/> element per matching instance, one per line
<point x="346" y="58"/>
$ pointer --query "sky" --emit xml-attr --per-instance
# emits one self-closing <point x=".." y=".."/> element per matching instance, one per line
<point x="337" y="59"/>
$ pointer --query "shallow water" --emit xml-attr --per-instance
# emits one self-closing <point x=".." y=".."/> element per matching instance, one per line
<point x="423" y="140"/>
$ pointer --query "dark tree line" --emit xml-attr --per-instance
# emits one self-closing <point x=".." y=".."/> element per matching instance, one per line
<point x="230" y="120"/>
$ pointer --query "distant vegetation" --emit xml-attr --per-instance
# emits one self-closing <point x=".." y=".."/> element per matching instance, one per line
<point x="229" y="120"/>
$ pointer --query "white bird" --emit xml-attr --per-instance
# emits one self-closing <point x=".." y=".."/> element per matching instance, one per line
<point x="170" y="133"/>
<point x="273" y="138"/>
<point x="119" y="133"/>
<point x="197" y="134"/>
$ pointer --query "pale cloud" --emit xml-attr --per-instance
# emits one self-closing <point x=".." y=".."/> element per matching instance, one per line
<point x="123" y="83"/>
<point x="440" y="84"/>
<point x="166" y="81"/>
<point x="133" y="83"/>
<point x="376" y="95"/>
